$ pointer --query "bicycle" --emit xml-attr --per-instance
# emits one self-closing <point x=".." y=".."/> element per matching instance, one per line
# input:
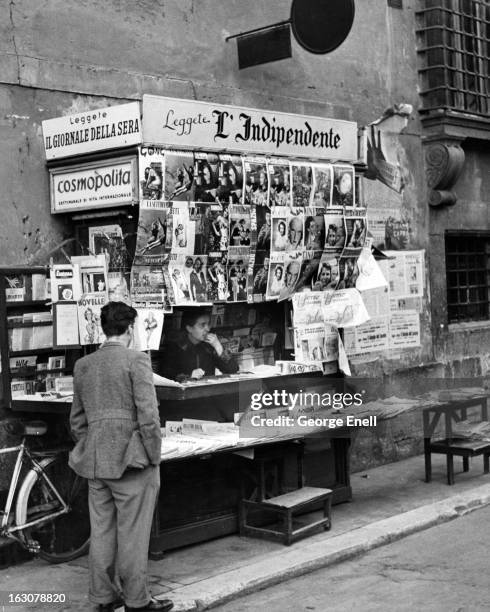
<point x="51" y="505"/>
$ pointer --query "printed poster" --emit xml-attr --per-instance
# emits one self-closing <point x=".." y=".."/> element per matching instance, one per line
<point x="404" y="329"/>
<point x="148" y="329"/>
<point x="404" y="272"/>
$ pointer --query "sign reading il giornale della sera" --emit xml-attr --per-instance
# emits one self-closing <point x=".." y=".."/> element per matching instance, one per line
<point x="188" y="124"/>
<point x="95" y="130"/>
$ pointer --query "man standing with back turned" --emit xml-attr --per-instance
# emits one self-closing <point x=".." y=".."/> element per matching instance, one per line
<point x="115" y="423"/>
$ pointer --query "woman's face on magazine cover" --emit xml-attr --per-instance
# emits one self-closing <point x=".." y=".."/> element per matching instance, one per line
<point x="206" y="175"/>
<point x="345" y="183"/>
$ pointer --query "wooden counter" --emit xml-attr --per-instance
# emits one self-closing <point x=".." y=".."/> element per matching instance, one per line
<point x="199" y="495"/>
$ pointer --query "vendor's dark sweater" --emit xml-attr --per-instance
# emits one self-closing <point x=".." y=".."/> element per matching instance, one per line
<point x="180" y="360"/>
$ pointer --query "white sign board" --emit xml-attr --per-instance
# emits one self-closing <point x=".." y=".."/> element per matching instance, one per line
<point x="187" y="124"/>
<point x="94" y="185"/>
<point x="95" y="130"/>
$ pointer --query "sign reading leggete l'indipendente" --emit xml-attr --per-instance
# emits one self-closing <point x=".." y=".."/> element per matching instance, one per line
<point x="187" y="124"/>
<point x="93" y="185"/>
<point x="96" y="130"/>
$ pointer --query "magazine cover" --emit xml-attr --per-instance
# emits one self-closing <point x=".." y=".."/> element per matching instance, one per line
<point x="279" y="238"/>
<point x="238" y="262"/>
<point x="183" y="229"/>
<point x="108" y="239"/>
<point x="179" y="176"/>
<point x="258" y="273"/>
<point x="89" y="328"/>
<point x="328" y="273"/>
<point x="206" y="173"/>
<point x="240" y="226"/>
<point x="343" y="186"/>
<point x="179" y="278"/>
<point x="314" y="229"/>
<point x="302" y="176"/>
<point x="93" y="273"/>
<point x="279" y="173"/>
<point x="148" y="328"/>
<point x="264" y="228"/>
<point x="153" y="237"/>
<point x="348" y="272"/>
<point x="292" y="269"/>
<point x="118" y="286"/>
<point x="230" y="179"/>
<point x="256" y="181"/>
<point x="295" y="220"/>
<point x="195" y="270"/>
<point x="151" y="168"/>
<point x="335" y="236"/>
<point x="356" y="230"/>
<point x="217" y="277"/>
<point x="276" y="276"/>
<point x="65" y="283"/>
<point x="210" y="223"/>
<point x="148" y="286"/>
<point x="309" y="270"/>
<point x="322" y="185"/>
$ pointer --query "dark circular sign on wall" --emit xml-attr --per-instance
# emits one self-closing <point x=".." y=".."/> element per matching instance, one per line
<point x="320" y="26"/>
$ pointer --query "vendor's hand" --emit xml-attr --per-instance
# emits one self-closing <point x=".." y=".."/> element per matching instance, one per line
<point x="197" y="373"/>
<point x="212" y="339"/>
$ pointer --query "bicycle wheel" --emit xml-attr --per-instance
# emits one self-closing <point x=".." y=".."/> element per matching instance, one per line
<point x="64" y="537"/>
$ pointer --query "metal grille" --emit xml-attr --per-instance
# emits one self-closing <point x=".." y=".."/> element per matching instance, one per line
<point x="454" y="47"/>
<point x="468" y="277"/>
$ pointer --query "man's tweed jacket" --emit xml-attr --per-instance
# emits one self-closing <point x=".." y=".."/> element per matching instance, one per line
<point x="114" y="416"/>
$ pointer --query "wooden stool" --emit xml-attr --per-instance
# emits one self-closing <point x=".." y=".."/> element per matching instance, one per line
<point x="285" y="506"/>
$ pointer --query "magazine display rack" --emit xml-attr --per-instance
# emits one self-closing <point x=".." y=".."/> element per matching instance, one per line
<point x="35" y="377"/>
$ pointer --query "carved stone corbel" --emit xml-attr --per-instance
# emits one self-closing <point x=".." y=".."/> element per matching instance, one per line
<point x="444" y="163"/>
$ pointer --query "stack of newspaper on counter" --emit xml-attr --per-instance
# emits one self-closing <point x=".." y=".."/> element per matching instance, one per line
<point x="197" y="437"/>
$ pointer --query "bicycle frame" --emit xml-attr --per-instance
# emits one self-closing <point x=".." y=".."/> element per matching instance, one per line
<point x="23" y="450"/>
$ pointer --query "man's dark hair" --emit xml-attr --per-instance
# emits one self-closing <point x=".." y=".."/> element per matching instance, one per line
<point x="189" y="317"/>
<point x="116" y="317"/>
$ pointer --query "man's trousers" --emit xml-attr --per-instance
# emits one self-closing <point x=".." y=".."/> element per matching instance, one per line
<point x="121" y="514"/>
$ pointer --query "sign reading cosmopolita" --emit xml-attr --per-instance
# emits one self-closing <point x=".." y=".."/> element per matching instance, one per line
<point x="93" y="185"/>
<point x="187" y="124"/>
<point x="95" y="130"/>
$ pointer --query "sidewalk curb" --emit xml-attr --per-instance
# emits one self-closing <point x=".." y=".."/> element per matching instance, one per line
<point x="295" y="561"/>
